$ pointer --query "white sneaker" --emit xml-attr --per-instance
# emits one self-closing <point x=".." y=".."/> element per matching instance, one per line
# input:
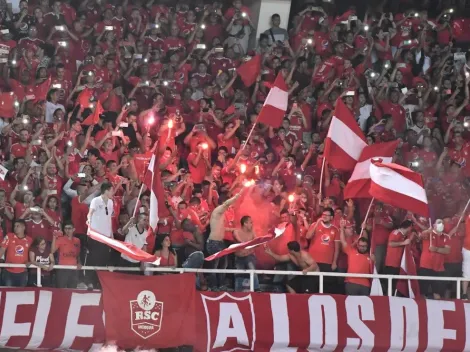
<point x="82" y="286"/>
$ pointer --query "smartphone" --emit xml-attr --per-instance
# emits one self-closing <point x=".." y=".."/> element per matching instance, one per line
<point x="36" y="142"/>
<point x="62" y="43"/>
<point x="137" y="56"/>
<point x="30" y="97"/>
<point x="199" y="127"/>
<point x="4" y="31"/>
<point x="3" y="60"/>
<point x="155" y="25"/>
<point x="219" y="49"/>
<point x="52" y="192"/>
<point x="404" y="90"/>
<point x="57" y="86"/>
<point x="350" y="93"/>
<point x="59" y="28"/>
<point x="34" y="209"/>
<point x="115" y="133"/>
<point x="123" y="124"/>
<point x="108" y="28"/>
<point x="81" y="175"/>
<point x="142" y="210"/>
<point x="201" y="46"/>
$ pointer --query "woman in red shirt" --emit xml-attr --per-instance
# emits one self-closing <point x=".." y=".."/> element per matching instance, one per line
<point x="165" y="252"/>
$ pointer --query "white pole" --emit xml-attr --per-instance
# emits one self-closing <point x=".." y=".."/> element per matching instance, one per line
<point x="249" y="136"/>
<point x="363" y="225"/>
<point x="321" y="174"/>
<point x="138" y="199"/>
<point x="463" y="213"/>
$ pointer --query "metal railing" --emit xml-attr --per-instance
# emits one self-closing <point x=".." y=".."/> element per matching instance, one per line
<point x="251" y="273"/>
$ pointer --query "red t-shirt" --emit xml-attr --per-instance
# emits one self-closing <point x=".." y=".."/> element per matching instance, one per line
<point x="69" y="249"/>
<point x="39" y="229"/>
<point x="394" y="254"/>
<point x="79" y="216"/>
<point x="322" y="245"/>
<point x="358" y="264"/>
<point x="198" y="172"/>
<point x="433" y="260"/>
<point x="17" y="251"/>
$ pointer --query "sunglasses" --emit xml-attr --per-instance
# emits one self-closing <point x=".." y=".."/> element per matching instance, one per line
<point x="106" y="208"/>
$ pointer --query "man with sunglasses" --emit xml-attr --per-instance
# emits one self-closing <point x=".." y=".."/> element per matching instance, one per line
<point x="99" y="220"/>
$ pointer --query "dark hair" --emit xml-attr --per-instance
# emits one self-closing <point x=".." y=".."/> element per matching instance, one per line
<point x="293" y="246"/>
<point x="19" y="221"/>
<point x="37" y="241"/>
<point x="276" y="15"/>
<point x="108" y="164"/>
<point x="332" y="213"/>
<point x="244" y="219"/>
<point x="363" y="239"/>
<point x="67" y="223"/>
<point x="106" y="186"/>
<point x="195" y="200"/>
<point x="159" y="243"/>
<point x="406" y="224"/>
<point x="93" y="151"/>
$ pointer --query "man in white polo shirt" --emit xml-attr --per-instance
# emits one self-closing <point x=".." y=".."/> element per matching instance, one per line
<point x="136" y="234"/>
<point x="99" y="220"/>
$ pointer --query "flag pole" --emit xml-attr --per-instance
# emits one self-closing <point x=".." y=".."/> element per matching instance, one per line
<point x="138" y="199"/>
<point x="367" y="215"/>
<point x="463" y="213"/>
<point x="321" y="175"/>
<point x="249" y="136"/>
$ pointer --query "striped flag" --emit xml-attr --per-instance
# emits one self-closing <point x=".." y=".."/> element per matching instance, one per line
<point x="151" y="182"/>
<point x="408" y="288"/>
<point x="359" y="183"/>
<point x="275" y="105"/>
<point x="345" y="140"/>
<point x="398" y="186"/>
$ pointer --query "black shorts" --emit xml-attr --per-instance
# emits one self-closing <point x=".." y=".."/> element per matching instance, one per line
<point x="438" y="287"/>
<point x="304" y="284"/>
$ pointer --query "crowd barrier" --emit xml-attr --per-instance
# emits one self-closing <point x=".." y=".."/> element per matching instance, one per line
<point x="251" y="273"/>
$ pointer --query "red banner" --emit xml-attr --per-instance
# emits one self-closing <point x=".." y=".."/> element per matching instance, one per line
<point x="65" y="319"/>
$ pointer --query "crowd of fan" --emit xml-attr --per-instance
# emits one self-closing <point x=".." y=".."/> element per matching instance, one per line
<point x="166" y="78"/>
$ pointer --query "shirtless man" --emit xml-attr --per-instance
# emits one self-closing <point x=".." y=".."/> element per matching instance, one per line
<point x="215" y="242"/>
<point x="245" y="258"/>
<point x="304" y="261"/>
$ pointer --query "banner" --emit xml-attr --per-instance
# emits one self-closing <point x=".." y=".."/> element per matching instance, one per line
<point x="149" y="311"/>
<point x="65" y="319"/>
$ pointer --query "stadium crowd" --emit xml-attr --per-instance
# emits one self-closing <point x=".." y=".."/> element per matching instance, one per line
<point x="92" y="89"/>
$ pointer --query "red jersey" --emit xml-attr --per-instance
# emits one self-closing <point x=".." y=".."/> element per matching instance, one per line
<point x="358" y="263"/>
<point x="398" y="114"/>
<point x="394" y="254"/>
<point x="433" y="260"/>
<point x="69" y="249"/>
<point x="17" y="251"/>
<point x="323" y="243"/>
<point x="39" y="229"/>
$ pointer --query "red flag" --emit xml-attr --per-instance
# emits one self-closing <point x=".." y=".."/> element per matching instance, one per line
<point x="398" y="186"/>
<point x="345" y="140"/>
<point x="250" y="70"/>
<point x="275" y="105"/>
<point x="359" y="183"/>
<point x="41" y="90"/>
<point x="125" y="248"/>
<point x="230" y="110"/>
<point x="7" y="107"/>
<point x="281" y="228"/>
<point x="94" y="118"/>
<point x="84" y="97"/>
<point x="149" y="311"/>
<point x="408" y="288"/>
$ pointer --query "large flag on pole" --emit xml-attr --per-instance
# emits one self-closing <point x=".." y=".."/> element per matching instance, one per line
<point x="398" y="186"/>
<point x="275" y="105"/>
<point x="408" y="288"/>
<point x="359" y="183"/>
<point x="128" y="249"/>
<point x="151" y="182"/>
<point x="345" y="140"/>
<point x="278" y="231"/>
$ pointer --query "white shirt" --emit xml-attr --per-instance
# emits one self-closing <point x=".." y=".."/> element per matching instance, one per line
<point x="100" y="221"/>
<point x="137" y="239"/>
<point x="50" y="108"/>
<point x="364" y="113"/>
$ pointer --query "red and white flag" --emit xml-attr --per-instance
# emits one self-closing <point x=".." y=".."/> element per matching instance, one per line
<point x="398" y="186"/>
<point x="359" y="183"/>
<point x="128" y="249"/>
<point x="278" y="231"/>
<point x="345" y="140"/>
<point x="275" y="105"/>
<point x="408" y="288"/>
<point x="151" y="182"/>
